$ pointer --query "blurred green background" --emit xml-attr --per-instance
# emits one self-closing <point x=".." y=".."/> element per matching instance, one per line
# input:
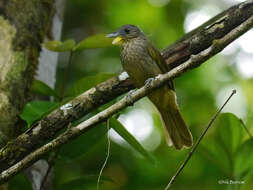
<point x="224" y="154"/>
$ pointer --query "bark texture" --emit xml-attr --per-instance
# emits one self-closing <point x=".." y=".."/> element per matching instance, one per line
<point x="40" y="174"/>
<point x="23" y="25"/>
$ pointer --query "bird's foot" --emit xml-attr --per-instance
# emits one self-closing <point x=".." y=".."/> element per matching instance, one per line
<point x="129" y="96"/>
<point x="69" y="126"/>
<point x="149" y="81"/>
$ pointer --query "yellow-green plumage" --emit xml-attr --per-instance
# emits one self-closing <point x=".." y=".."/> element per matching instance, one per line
<point x="142" y="61"/>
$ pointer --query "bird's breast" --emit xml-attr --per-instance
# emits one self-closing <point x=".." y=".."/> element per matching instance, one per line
<point x="133" y="51"/>
<point x="137" y="62"/>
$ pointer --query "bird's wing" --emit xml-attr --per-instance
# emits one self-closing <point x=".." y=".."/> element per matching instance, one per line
<point x="157" y="57"/>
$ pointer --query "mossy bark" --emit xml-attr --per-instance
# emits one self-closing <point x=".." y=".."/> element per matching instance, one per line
<point x="23" y="26"/>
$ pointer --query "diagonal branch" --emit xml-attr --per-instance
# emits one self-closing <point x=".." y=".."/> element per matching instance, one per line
<point x="189" y="52"/>
<point x="160" y="80"/>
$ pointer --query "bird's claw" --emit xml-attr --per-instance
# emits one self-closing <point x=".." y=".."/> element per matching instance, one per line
<point x="129" y="96"/>
<point x="149" y="81"/>
<point x="69" y="126"/>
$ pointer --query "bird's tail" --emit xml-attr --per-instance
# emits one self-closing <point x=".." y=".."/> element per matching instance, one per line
<point x="177" y="133"/>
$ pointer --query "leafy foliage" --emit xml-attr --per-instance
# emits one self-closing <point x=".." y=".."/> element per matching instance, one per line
<point x="82" y="182"/>
<point x="120" y="129"/>
<point x="19" y="182"/>
<point x="227" y="150"/>
<point x="41" y="88"/>
<point x="244" y="160"/>
<point x="35" y="110"/>
<point x="86" y="83"/>
<point x="84" y="143"/>
<point x="229" y="132"/>
<point x="95" y="41"/>
<point x="58" y="46"/>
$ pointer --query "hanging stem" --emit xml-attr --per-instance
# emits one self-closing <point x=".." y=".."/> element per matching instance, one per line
<point x="107" y="154"/>
<point x="246" y="129"/>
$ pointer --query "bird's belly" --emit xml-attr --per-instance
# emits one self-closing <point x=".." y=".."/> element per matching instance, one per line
<point x="141" y="69"/>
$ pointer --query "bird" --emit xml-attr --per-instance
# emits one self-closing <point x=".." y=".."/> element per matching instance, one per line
<point x="142" y="61"/>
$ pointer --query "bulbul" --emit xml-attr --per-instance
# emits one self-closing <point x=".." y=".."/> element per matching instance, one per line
<point x="142" y="61"/>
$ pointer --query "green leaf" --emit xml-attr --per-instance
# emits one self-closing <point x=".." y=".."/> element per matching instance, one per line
<point x="211" y="150"/>
<point x="35" y="110"/>
<point x="229" y="132"/>
<point x="41" y="88"/>
<point x="244" y="159"/>
<point x="59" y="46"/>
<point x="95" y="41"/>
<point x="84" y="143"/>
<point x="128" y="137"/>
<point x="86" y="83"/>
<point x="82" y="182"/>
<point x="19" y="181"/>
<point x="223" y="142"/>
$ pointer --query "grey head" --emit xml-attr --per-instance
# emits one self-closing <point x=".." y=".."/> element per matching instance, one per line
<point x="125" y="33"/>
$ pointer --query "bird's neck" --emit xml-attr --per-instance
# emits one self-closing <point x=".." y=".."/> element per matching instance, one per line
<point x="134" y="43"/>
<point x="133" y="49"/>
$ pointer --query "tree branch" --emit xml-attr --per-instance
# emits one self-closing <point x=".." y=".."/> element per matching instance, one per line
<point x="189" y="52"/>
<point x="194" y="61"/>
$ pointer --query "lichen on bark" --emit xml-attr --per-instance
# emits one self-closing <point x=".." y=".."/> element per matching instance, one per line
<point x="23" y="26"/>
<point x="9" y="62"/>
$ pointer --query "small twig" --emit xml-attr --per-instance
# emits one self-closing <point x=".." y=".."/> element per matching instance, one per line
<point x="107" y="154"/>
<point x="198" y="141"/>
<point x="246" y="129"/>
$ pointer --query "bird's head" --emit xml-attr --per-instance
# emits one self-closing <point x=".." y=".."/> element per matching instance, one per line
<point x="124" y="33"/>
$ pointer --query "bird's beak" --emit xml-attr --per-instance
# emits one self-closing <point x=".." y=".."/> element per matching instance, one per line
<point x="116" y="36"/>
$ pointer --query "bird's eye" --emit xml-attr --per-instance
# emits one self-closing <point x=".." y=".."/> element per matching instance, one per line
<point x="127" y="30"/>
